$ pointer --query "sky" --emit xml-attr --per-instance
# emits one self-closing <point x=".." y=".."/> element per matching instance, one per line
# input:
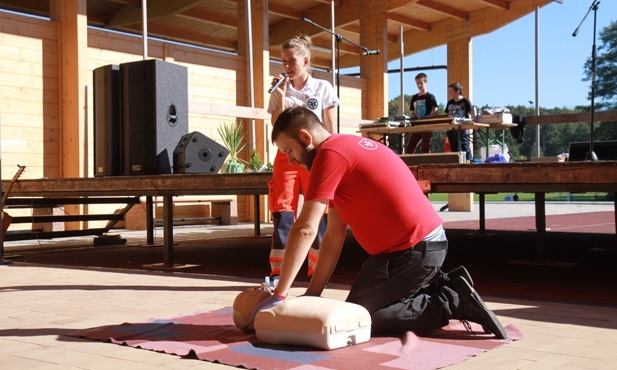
<point x="504" y="60"/>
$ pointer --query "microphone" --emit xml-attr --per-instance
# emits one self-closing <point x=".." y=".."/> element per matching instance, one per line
<point x="278" y="83"/>
<point x="371" y="52"/>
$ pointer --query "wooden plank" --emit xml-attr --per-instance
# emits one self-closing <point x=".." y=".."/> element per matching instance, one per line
<point x="228" y="111"/>
<point x="424" y="128"/>
<point x="425" y="185"/>
<point x="373" y="35"/>
<point x="523" y="177"/>
<point x="579" y="175"/>
<point x="460" y="202"/>
<point x="155" y="185"/>
<point x="430" y="158"/>
<point x="548" y="119"/>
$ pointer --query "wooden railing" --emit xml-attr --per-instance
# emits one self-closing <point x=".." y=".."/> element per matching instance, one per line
<point x="604" y="116"/>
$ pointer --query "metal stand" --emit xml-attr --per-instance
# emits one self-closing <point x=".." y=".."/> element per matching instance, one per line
<point x="339" y="38"/>
<point x="591" y="155"/>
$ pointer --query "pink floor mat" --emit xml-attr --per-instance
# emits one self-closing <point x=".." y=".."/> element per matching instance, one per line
<point x="212" y="336"/>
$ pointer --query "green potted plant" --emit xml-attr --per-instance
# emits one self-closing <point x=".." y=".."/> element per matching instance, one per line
<point x="255" y="162"/>
<point x="232" y="138"/>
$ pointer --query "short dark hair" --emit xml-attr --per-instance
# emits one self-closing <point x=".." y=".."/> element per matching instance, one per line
<point x="421" y="76"/>
<point x="457" y="87"/>
<point x="292" y="120"/>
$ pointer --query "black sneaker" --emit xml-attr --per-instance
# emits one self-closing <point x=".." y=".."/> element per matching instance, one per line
<point x="472" y="308"/>
<point x="448" y="278"/>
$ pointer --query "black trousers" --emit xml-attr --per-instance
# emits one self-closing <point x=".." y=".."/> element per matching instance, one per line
<point x="465" y="140"/>
<point x="394" y="288"/>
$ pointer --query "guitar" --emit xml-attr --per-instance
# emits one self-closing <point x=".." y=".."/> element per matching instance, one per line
<point x="6" y="218"/>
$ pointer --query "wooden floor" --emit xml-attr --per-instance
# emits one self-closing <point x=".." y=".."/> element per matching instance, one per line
<point x="41" y="304"/>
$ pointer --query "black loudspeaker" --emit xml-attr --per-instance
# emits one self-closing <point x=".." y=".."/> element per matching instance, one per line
<point x="154" y="114"/>
<point x="107" y="128"/>
<point x="605" y="150"/>
<point x="197" y="153"/>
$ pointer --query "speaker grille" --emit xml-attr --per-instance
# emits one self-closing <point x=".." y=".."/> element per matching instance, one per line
<point x="154" y="114"/>
<point x="197" y="153"/>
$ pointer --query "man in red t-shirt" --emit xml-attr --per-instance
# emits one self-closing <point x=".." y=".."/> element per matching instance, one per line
<point x="369" y="188"/>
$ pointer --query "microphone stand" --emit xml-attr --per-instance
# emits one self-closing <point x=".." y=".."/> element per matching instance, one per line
<point x="591" y="155"/>
<point x="339" y="38"/>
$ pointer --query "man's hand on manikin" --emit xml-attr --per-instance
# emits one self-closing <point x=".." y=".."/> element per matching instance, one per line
<point x="268" y="303"/>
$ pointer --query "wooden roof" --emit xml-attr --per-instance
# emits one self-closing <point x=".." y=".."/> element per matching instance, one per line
<point x="214" y="23"/>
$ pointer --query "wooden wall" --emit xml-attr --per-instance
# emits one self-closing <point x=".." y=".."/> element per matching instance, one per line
<point x="29" y="95"/>
<point x="30" y="90"/>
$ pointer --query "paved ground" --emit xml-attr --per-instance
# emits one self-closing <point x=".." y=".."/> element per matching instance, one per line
<point x="44" y="301"/>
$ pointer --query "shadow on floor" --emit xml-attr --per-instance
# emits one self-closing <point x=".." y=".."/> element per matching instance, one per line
<point x="579" y="267"/>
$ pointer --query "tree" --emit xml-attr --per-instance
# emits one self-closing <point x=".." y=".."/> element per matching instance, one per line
<point x="606" y="69"/>
<point x="605" y="80"/>
<point x="394" y="106"/>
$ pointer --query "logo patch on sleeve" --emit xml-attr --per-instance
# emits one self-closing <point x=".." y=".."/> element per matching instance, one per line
<point x="368" y="144"/>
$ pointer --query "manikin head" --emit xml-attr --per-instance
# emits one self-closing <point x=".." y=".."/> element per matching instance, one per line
<point x="244" y="305"/>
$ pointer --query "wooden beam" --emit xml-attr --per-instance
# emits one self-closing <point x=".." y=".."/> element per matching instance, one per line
<point x="460" y="65"/>
<point x="480" y="22"/>
<point x="279" y="31"/>
<point x="128" y="15"/>
<point x="202" y="15"/>
<point x="36" y="7"/>
<point x="227" y="111"/>
<point x="413" y="23"/>
<point x="326" y="44"/>
<point x="348" y="12"/>
<point x="254" y="44"/>
<point x="186" y="36"/>
<point x="374" y="67"/>
<point x="71" y="20"/>
<point x="444" y="9"/>
<point x="603" y="116"/>
<point x="498" y="4"/>
<point x="285" y="11"/>
<point x="460" y="69"/>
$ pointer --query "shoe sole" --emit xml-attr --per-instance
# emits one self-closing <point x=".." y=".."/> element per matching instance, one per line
<point x="486" y="314"/>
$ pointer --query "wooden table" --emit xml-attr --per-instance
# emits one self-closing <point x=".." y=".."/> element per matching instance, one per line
<point x="167" y="186"/>
<point x="433" y="124"/>
<point x="537" y="178"/>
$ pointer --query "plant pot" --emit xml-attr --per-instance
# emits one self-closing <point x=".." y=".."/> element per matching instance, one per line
<point x="233" y="166"/>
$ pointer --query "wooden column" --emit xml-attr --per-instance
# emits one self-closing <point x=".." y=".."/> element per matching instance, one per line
<point x="373" y="35"/>
<point x="460" y="65"/>
<point x="459" y="69"/>
<point x="70" y="17"/>
<point x="260" y="42"/>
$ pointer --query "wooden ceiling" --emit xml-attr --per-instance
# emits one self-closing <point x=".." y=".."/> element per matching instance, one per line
<point x="214" y="23"/>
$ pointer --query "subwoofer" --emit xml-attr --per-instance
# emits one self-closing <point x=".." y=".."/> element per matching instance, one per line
<point x="197" y="153"/>
<point x="605" y="150"/>
<point x="154" y="114"/>
<point x="107" y="128"/>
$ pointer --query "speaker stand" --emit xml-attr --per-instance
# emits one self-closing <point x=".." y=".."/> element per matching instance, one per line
<point x="591" y="155"/>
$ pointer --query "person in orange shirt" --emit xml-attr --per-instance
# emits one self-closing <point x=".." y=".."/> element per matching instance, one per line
<point x="299" y="88"/>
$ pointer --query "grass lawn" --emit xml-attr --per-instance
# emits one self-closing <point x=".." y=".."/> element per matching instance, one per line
<point x="529" y="197"/>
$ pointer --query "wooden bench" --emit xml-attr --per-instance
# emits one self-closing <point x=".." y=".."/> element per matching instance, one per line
<point x="224" y="211"/>
<point x="456" y="201"/>
<point x="48" y="216"/>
